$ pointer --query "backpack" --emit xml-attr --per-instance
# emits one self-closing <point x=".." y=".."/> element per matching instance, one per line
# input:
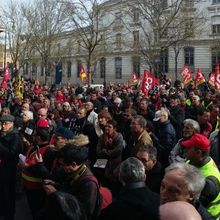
<point x="104" y="197"/>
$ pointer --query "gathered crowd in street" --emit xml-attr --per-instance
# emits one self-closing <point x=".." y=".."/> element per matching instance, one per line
<point x="111" y="152"/>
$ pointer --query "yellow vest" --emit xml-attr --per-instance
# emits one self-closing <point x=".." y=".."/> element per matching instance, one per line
<point x="210" y="169"/>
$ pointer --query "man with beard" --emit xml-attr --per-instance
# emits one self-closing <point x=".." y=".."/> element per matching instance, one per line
<point x="11" y="146"/>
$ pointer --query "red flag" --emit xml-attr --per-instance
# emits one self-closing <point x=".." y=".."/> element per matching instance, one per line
<point x="6" y="77"/>
<point x="217" y="76"/>
<point x="4" y="84"/>
<point x="134" y="77"/>
<point x="6" y="74"/>
<point x="212" y="79"/>
<point x="199" y="77"/>
<point x="148" y="82"/>
<point x="185" y="71"/>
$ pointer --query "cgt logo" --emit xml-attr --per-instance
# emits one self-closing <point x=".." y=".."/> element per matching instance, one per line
<point x="148" y="83"/>
<point x="217" y="81"/>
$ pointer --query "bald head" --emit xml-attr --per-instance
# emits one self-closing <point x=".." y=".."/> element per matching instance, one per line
<point x="178" y="211"/>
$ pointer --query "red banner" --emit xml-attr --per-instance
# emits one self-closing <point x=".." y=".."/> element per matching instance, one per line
<point x="187" y="76"/>
<point x="212" y="79"/>
<point x="217" y="77"/>
<point x="6" y="77"/>
<point x="185" y="71"/>
<point x="199" y="77"/>
<point x="148" y="82"/>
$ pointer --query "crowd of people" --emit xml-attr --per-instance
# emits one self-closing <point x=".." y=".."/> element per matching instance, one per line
<point x="111" y="153"/>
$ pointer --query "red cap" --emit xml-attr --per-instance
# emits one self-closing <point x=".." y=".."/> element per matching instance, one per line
<point x="43" y="123"/>
<point x="197" y="141"/>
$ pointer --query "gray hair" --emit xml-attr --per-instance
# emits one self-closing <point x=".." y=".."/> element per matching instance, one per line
<point x="194" y="123"/>
<point x="142" y="121"/>
<point x="193" y="178"/>
<point x="151" y="150"/>
<point x="132" y="170"/>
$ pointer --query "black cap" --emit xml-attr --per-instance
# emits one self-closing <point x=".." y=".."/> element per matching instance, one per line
<point x="7" y="118"/>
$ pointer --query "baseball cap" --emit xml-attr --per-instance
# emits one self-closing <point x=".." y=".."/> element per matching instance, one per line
<point x="197" y="141"/>
<point x="157" y="115"/>
<point x="43" y="123"/>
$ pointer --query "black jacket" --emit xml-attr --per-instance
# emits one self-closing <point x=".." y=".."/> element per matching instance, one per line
<point x="177" y="116"/>
<point x="11" y="146"/>
<point x="135" y="201"/>
<point x="154" y="178"/>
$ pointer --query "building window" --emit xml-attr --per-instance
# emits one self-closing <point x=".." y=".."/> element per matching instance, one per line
<point x="34" y="69"/>
<point x="102" y="67"/>
<point x="78" y="46"/>
<point x="136" y="16"/>
<point x="189" y="29"/>
<point x="188" y="3"/>
<point x="118" y="67"/>
<point x="78" y="68"/>
<point x="164" y="61"/>
<point x="136" y="38"/>
<point x="216" y="28"/>
<point x="215" y="1"/>
<point x="49" y="68"/>
<point x="118" y="40"/>
<point x="189" y="57"/>
<point x="215" y="57"/>
<point x="136" y="66"/>
<point x="164" y="4"/>
<point x="69" y="67"/>
<point x="42" y="69"/>
<point x="118" y="17"/>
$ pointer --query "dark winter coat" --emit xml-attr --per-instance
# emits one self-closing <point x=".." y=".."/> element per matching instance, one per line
<point x="135" y="201"/>
<point x="165" y="141"/>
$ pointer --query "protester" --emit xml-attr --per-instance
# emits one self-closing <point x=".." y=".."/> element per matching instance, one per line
<point x="197" y="152"/>
<point x="73" y="160"/>
<point x="188" y="182"/>
<point x="10" y="147"/>
<point x="165" y="136"/>
<point x="135" y="200"/>
<point x="154" y="173"/>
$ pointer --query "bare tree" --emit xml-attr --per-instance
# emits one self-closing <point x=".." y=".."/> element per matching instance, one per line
<point x="88" y="31"/>
<point x="163" y="24"/>
<point x="46" y="20"/>
<point x="18" y="39"/>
